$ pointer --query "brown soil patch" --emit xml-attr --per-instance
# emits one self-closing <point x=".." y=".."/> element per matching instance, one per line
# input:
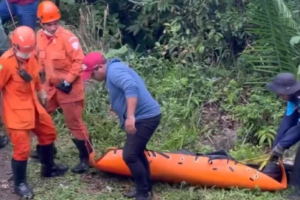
<point x="6" y="189"/>
<point x="220" y="131"/>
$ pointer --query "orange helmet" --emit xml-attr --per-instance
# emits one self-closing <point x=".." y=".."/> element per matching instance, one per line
<point x="23" y="39"/>
<point x="48" y="12"/>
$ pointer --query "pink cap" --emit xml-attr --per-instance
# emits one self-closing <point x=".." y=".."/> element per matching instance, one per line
<point x="90" y="62"/>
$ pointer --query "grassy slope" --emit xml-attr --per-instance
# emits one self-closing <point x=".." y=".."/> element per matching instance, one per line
<point x="218" y="121"/>
<point x="201" y="111"/>
<point x="96" y="185"/>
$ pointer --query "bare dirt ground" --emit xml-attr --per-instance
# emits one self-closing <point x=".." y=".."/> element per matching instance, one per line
<point x="6" y="189"/>
<point x="215" y="120"/>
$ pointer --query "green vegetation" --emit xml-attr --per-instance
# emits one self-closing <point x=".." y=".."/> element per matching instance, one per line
<point x="206" y="62"/>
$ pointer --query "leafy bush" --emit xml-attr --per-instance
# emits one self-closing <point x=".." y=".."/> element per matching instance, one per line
<point x="186" y="52"/>
<point x="185" y="95"/>
<point x="190" y="30"/>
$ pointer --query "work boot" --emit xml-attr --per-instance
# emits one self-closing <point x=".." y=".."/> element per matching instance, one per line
<point x="295" y="178"/>
<point x="21" y="188"/>
<point x="3" y="141"/>
<point x="34" y="154"/>
<point x="132" y="194"/>
<point x="143" y="198"/>
<point x="273" y="170"/>
<point x="49" y="168"/>
<point x="83" y="148"/>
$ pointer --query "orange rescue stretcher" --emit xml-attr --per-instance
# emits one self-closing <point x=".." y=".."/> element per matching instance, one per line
<point x="216" y="169"/>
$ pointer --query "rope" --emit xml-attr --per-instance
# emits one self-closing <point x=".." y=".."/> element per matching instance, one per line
<point x="264" y="159"/>
<point x="10" y="13"/>
<point x="256" y="159"/>
<point x="264" y="163"/>
<point x="14" y="23"/>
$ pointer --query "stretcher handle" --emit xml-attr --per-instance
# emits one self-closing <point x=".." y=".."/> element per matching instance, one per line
<point x="219" y="155"/>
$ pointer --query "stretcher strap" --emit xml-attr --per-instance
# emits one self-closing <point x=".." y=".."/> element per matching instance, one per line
<point x="156" y="152"/>
<point x="216" y="156"/>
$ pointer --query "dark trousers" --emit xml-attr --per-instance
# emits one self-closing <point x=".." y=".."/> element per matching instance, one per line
<point x="134" y="156"/>
<point x="26" y="13"/>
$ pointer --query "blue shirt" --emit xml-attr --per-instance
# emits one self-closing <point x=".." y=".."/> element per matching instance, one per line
<point x="123" y="82"/>
<point x="292" y="106"/>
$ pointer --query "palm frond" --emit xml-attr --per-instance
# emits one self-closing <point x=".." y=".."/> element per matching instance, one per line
<point x="271" y="51"/>
<point x="285" y="12"/>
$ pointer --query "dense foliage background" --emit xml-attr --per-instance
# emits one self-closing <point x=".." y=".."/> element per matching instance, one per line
<point x="205" y="61"/>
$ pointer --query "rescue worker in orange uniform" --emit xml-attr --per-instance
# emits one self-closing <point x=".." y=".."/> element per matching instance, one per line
<point x="60" y="57"/>
<point x="22" y="111"/>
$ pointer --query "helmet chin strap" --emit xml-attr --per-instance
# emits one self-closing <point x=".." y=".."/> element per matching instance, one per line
<point x="45" y="31"/>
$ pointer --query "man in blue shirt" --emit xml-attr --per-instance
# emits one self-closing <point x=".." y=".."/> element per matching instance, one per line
<point x="139" y="114"/>
<point x="288" y="133"/>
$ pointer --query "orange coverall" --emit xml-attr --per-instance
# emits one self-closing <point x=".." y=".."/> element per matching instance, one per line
<point x="21" y="109"/>
<point x="60" y="57"/>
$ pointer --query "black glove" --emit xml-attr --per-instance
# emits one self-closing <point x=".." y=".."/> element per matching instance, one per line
<point x="42" y="76"/>
<point x="277" y="153"/>
<point x="65" y="87"/>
